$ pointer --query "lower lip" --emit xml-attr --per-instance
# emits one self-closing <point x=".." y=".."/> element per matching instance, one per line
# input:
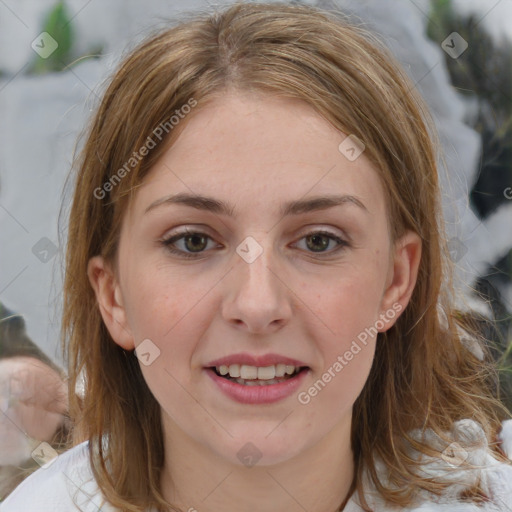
<point x="257" y="394"/>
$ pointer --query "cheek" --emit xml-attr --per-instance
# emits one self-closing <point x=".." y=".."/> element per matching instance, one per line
<point x="170" y="320"/>
<point x="348" y="347"/>
<point x="351" y="301"/>
<point x="350" y="311"/>
<point x="173" y="310"/>
<point x="350" y="308"/>
<point x="157" y="304"/>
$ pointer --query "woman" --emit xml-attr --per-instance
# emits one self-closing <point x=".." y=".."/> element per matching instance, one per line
<point x="256" y="218"/>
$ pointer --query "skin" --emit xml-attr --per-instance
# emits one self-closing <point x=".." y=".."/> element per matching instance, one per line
<point x="256" y="152"/>
<point x="33" y="401"/>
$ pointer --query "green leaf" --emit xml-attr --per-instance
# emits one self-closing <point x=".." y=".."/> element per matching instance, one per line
<point x="58" y="24"/>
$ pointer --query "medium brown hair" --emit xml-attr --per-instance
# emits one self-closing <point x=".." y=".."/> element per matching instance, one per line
<point x="423" y="376"/>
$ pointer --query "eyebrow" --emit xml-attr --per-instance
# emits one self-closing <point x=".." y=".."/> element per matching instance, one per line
<point x="219" y="207"/>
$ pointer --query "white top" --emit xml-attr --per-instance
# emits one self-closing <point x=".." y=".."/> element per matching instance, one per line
<point x="67" y="484"/>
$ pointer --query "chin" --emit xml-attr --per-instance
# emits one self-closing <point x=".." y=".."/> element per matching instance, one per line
<point x="260" y="448"/>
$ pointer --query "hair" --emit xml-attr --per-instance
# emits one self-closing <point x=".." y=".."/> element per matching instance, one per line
<point x="424" y="374"/>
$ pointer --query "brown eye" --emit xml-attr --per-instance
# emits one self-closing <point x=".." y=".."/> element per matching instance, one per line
<point x="319" y="242"/>
<point x="192" y="243"/>
<point x="196" y="242"/>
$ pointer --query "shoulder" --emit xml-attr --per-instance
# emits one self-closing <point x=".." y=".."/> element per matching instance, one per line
<point x="469" y="444"/>
<point x="65" y="485"/>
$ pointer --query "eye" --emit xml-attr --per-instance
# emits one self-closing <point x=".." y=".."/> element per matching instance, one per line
<point x="319" y="241"/>
<point x="193" y="241"/>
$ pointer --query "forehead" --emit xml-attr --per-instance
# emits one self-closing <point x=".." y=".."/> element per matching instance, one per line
<point x="259" y="151"/>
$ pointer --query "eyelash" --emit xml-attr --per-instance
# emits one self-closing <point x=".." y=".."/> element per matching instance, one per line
<point x="167" y="243"/>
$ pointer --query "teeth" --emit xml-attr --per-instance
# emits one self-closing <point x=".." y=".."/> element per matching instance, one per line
<point x="234" y="370"/>
<point x="280" y="370"/>
<point x="289" y="369"/>
<point x="248" y="372"/>
<point x="263" y="373"/>
<point x="257" y="382"/>
<point x="266" y="373"/>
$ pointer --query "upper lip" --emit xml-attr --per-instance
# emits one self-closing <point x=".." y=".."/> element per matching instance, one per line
<point x="250" y="360"/>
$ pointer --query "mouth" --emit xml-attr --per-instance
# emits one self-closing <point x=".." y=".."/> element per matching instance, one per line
<point x="248" y="384"/>
<point x="247" y="375"/>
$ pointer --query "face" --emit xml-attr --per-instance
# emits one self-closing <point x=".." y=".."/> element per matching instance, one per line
<point x="263" y="274"/>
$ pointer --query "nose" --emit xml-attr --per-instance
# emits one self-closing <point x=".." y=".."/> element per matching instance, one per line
<point x="257" y="298"/>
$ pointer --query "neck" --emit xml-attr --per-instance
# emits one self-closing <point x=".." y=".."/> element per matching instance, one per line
<point x="319" y="479"/>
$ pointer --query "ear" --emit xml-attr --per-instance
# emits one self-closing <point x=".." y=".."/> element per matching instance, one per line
<point x="401" y="277"/>
<point x="110" y="301"/>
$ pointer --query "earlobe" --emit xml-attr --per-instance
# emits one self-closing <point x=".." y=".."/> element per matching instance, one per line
<point x="110" y="302"/>
<point x="402" y="275"/>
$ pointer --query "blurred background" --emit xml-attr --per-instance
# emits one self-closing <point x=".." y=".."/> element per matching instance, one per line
<point x="56" y="56"/>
